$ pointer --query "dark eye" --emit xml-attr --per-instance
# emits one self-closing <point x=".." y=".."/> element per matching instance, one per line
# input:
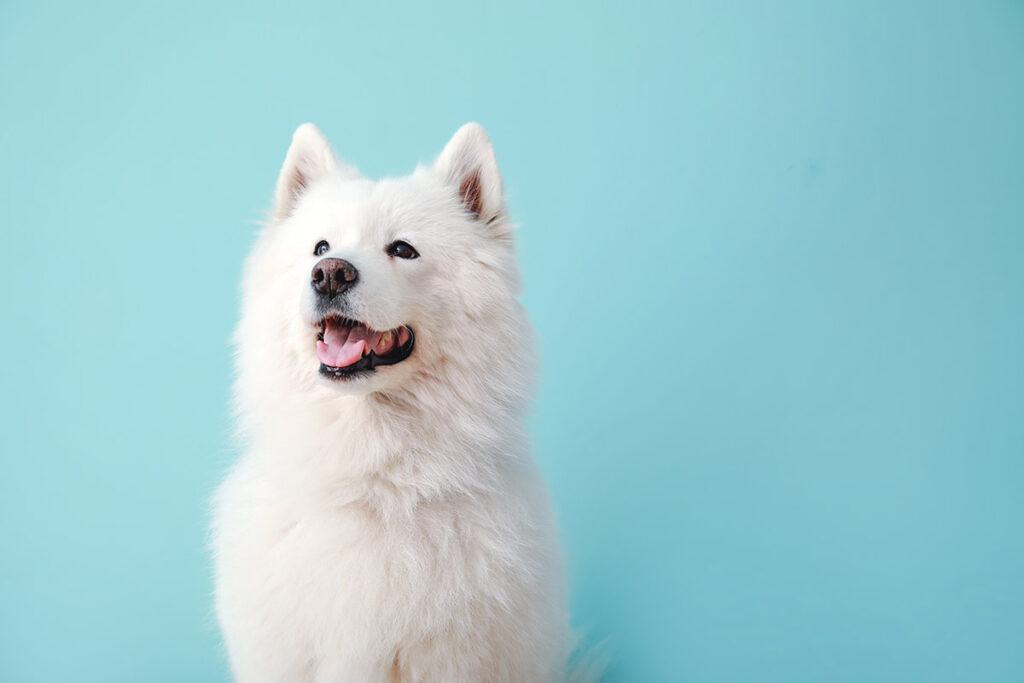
<point x="321" y="248"/>
<point x="402" y="249"/>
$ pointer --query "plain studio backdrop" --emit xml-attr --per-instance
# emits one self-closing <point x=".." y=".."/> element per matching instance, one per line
<point x="773" y="255"/>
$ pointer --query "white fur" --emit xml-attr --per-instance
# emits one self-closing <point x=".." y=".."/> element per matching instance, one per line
<point x="392" y="528"/>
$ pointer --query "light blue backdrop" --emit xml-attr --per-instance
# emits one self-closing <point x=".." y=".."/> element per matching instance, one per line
<point x="775" y="256"/>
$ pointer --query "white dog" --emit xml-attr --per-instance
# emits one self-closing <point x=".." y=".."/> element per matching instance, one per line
<point x="386" y="521"/>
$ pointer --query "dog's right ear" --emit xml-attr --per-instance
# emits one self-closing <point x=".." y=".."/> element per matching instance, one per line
<point x="310" y="158"/>
<point x="470" y="167"/>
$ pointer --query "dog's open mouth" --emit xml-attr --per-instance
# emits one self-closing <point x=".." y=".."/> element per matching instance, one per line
<point x="348" y="347"/>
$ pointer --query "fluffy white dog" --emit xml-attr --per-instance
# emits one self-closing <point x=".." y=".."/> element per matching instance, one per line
<point x="386" y="521"/>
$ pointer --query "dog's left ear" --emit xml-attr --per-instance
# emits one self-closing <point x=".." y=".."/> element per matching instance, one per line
<point x="310" y="158"/>
<point x="469" y="165"/>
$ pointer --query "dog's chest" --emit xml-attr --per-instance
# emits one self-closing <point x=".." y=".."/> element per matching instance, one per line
<point x="359" y="572"/>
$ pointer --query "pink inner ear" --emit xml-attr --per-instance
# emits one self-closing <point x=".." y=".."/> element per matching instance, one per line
<point x="472" y="193"/>
<point x="299" y="183"/>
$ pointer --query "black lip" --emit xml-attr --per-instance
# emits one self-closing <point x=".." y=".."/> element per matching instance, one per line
<point x="372" y="361"/>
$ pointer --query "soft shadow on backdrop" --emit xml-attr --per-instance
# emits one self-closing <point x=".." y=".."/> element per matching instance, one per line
<point x="774" y="256"/>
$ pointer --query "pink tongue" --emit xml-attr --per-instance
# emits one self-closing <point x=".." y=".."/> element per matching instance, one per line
<point x="342" y="346"/>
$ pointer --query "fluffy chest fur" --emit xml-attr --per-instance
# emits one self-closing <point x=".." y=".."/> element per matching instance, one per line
<point x="388" y="576"/>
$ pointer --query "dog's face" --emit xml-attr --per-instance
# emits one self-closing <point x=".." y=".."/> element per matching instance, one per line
<point x="359" y="285"/>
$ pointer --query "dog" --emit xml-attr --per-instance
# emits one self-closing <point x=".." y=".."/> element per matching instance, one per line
<point x="385" y="520"/>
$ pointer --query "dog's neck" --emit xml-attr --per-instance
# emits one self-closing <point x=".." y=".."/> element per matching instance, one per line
<point x="442" y="434"/>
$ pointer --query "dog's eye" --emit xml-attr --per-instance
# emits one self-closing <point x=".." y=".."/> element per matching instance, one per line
<point x="402" y="249"/>
<point x="321" y="248"/>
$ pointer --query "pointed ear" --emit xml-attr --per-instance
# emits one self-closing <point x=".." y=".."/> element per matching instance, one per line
<point x="310" y="157"/>
<point x="468" y="164"/>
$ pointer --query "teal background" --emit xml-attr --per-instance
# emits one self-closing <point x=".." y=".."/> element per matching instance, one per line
<point x="774" y="256"/>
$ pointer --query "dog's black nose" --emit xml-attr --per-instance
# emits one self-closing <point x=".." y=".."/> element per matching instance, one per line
<point x="332" y="276"/>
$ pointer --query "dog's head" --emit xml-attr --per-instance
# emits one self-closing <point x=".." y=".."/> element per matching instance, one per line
<point x="360" y="285"/>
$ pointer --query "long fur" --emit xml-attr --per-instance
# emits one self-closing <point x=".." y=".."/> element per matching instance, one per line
<point x="392" y="528"/>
